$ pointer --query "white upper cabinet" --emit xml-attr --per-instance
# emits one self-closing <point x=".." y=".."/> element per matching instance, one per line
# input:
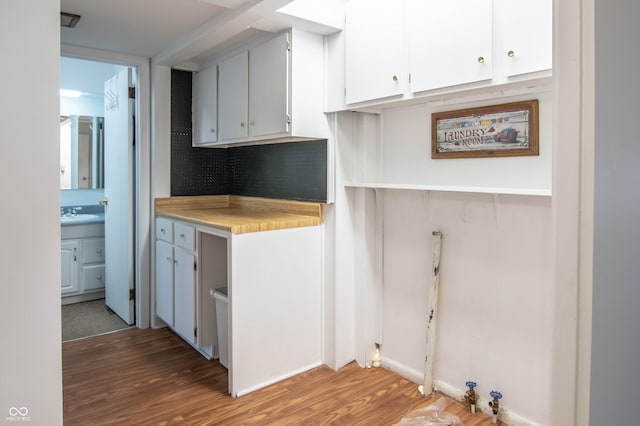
<point x="527" y="35"/>
<point x="205" y="106"/>
<point x="268" y="89"/>
<point x="374" y="37"/>
<point x="233" y="97"/>
<point x="272" y="89"/>
<point x="395" y="51"/>
<point x="450" y="42"/>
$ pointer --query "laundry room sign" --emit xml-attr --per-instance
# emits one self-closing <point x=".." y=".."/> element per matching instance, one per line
<point x="490" y="131"/>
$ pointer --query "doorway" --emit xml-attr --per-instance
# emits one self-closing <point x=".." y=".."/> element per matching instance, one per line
<point x="98" y="221"/>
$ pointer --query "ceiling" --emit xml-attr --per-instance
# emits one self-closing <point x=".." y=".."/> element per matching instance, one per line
<point x="188" y="33"/>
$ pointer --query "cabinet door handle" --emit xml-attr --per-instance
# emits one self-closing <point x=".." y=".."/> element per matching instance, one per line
<point x="252" y="123"/>
<point x="99" y="250"/>
<point x="481" y="59"/>
<point x="99" y="277"/>
<point x="395" y="78"/>
<point x="75" y="254"/>
<point x="242" y="124"/>
<point x="213" y="130"/>
<point x="511" y="53"/>
<point x="182" y="236"/>
<point x="169" y="259"/>
<point x="162" y="230"/>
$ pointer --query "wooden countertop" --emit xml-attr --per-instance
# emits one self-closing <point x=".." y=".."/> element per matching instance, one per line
<point x="238" y="214"/>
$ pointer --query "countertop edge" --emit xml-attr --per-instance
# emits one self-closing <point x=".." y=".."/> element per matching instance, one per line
<point x="262" y="214"/>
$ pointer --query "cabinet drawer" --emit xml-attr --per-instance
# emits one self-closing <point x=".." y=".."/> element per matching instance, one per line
<point x="93" y="277"/>
<point x="164" y="229"/>
<point x="184" y="236"/>
<point x="93" y="250"/>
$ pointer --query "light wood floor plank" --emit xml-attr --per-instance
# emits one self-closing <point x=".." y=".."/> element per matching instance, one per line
<point x="151" y="377"/>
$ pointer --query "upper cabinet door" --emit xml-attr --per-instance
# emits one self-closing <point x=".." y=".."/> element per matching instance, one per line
<point x="233" y="97"/>
<point x="205" y="106"/>
<point x="450" y="42"/>
<point x="527" y="40"/>
<point x="374" y="50"/>
<point x="268" y="87"/>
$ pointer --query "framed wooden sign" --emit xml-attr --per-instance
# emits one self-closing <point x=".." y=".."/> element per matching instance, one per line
<point x="503" y="130"/>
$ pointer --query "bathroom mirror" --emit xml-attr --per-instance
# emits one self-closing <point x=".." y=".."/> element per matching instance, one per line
<point x="81" y="152"/>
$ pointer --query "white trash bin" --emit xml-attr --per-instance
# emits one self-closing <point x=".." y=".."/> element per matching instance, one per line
<point x="222" y="309"/>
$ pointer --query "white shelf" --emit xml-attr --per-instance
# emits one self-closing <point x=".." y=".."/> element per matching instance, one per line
<point x="447" y="188"/>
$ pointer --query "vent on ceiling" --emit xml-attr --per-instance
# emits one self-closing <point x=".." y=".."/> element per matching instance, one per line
<point x="69" y="20"/>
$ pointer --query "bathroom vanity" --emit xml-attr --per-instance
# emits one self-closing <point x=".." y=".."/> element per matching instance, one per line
<point x="268" y="256"/>
<point x="82" y="256"/>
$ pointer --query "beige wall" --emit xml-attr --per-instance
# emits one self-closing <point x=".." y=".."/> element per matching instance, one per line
<point x="30" y="369"/>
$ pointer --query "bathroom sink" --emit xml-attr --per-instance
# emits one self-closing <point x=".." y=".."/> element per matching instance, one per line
<point x="78" y="218"/>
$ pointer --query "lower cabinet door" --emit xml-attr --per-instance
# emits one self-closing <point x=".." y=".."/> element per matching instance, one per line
<point x="184" y="294"/>
<point x="70" y="250"/>
<point x="164" y="282"/>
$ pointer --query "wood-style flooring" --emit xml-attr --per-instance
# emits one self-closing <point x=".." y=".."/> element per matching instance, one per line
<point x="151" y="377"/>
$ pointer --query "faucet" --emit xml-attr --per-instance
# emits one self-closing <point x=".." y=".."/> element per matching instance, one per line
<point x="495" y="404"/>
<point x="71" y="211"/>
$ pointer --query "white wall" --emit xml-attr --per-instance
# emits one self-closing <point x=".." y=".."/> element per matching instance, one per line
<point x="406" y="152"/>
<point x="30" y="262"/>
<point x="615" y="368"/>
<point x="495" y="311"/>
<point x="160" y="158"/>
<point x="84" y="105"/>
<point x="496" y="297"/>
<point x="88" y="77"/>
<point x="80" y="197"/>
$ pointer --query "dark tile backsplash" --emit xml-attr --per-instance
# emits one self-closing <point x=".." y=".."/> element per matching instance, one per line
<point x="194" y="171"/>
<point x="294" y="170"/>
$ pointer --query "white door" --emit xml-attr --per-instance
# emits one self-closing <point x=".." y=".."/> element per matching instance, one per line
<point x="118" y="191"/>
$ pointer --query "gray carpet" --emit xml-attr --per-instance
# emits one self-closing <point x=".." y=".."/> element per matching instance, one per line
<point x="88" y="319"/>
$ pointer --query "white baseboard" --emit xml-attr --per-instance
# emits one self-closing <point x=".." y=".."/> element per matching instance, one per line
<point x="277" y="379"/>
<point x="408" y="373"/>
<point x="506" y="416"/>
<point x="85" y="297"/>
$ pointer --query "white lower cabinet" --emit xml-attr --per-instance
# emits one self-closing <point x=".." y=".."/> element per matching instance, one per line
<point x="184" y="301"/>
<point x="69" y="255"/>
<point x="176" y="278"/>
<point x="82" y="263"/>
<point x="164" y="281"/>
<point x="273" y="283"/>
